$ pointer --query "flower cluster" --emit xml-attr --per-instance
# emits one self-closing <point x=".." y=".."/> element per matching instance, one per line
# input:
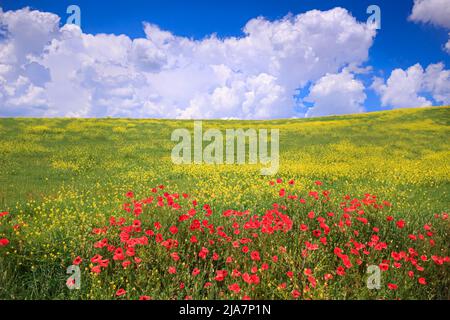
<point x="306" y="245"/>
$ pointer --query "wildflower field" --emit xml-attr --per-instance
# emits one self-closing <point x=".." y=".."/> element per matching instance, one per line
<point x="352" y="193"/>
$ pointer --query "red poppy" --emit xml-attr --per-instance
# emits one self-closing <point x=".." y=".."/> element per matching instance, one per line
<point x="234" y="287"/>
<point x="77" y="261"/>
<point x="295" y="294"/>
<point x="145" y="298"/>
<point x="120" y="292"/>
<point x="392" y="286"/>
<point x="96" y="269"/>
<point x="340" y="271"/>
<point x="220" y="275"/>
<point x="4" y="242"/>
<point x="172" y="270"/>
<point x="203" y="253"/>
<point x="129" y="194"/>
<point x="328" y="276"/>
<point x="384" y="266"/>
<point x="173" y="230"/>
<point x="255" y="256"/>
<point x="400" y="224"/>
<point x="422" y="281"/>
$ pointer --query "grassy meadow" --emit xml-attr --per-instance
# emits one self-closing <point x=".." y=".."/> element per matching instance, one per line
<point x="61" y="181"/>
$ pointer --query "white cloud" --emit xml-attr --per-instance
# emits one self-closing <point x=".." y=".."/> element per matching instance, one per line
<point x="47" y="70"/>
<point x="336" y="94"/>
<point x="408" y="88"/>
<point x="437" y="83"/>
<point x="447" y="45"/>
<point x="435" y="12"/>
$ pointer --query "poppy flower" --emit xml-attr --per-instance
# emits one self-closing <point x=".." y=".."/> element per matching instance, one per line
<point x="295" y="294"/>
<point x="129" y="194"/>
<point x="193" y="239"/>
<point x="235" y="273"/>
<point x="282" y="286"/>
<point x="96" y="269"/>
<point x="4" y="242"/>
<point x="400" y="224"/>
<point x="422" y="281"/>
<point x="172" y="270"/>
<point x="220" y="275"/>
<point x="392" y="286"/>
<point x="328" y="276"/>
<point x="340" y="271"/>
<point x="384" y="266"/>
<point x="312" y="281"/>
<point x="175" y="256"/>
<point x="145" y="298"/>
<point x="120" y="292"/>
<point x="255" y="256"/>
<point x="203" y="253"/>
<point x="234" y="287"/>
<point x="173" y="230"/>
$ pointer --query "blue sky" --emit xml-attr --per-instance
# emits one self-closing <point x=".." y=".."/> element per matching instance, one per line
<point x="400" y="44"/>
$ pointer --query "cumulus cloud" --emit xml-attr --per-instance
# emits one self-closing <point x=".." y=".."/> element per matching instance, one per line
<point x="335" y="94"/>
<point x="447" y="45"/>
<point x="409" y="88"/>
<point x="435" y="12"/>
<point x="48" y="70"/>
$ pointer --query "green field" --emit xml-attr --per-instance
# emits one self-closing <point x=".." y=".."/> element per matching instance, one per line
<point x="59" y="178"/>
